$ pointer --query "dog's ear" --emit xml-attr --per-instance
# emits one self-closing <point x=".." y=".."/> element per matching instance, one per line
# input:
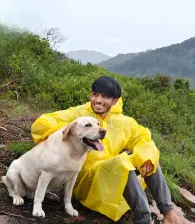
<point x="68" y="129"/>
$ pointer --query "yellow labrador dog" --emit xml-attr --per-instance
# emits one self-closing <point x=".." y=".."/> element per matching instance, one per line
<point x="53" y="162"/>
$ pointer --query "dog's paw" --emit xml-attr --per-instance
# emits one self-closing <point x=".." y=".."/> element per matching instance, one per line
<point x="70" y="210"/>
<point x="38" y="213"/>
<point x="17" y="200"/>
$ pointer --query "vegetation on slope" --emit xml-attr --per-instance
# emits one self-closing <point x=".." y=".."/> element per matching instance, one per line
<point x="176" y="60"/>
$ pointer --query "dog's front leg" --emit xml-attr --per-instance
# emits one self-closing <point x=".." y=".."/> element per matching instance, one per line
<point x="42" y="185"/>
<point x="68" y="187"/>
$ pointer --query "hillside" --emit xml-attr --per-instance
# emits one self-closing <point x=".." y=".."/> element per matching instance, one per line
<point x="35" y="80"/>
<point x="88" y="56"/>
<point x="176" y="60"/>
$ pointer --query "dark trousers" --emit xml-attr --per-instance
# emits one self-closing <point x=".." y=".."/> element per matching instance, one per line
<point x="137" y="200"/>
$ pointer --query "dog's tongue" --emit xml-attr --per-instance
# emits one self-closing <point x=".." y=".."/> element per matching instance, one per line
<point x="98" y="145"/>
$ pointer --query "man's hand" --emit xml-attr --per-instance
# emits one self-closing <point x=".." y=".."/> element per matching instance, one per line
<point x="146" y="168"/>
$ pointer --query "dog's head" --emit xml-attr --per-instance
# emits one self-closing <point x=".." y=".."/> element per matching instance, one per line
<point x="87" y="130"/>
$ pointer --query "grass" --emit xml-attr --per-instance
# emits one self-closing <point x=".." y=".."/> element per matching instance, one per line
<point x="180" y="167"/>
<point x="20" y="148"/>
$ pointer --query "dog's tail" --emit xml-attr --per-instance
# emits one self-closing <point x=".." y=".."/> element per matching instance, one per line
<point x="3" y="180"/>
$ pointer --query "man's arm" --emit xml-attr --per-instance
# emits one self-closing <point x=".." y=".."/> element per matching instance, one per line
<point x="145" y="153"/>
<point x="49" y="123"/>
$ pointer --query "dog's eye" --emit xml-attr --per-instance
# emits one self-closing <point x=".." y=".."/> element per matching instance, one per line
<point x="88" y="125"/>
<point x="98" y="124"/>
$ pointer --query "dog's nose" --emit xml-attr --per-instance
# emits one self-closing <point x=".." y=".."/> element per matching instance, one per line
<point x="102" y="133"/>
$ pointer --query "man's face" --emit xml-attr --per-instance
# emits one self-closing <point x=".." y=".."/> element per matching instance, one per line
<point x="101" y="103"/>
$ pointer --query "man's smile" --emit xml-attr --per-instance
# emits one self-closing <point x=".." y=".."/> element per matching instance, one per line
<point x="98" y="106"/>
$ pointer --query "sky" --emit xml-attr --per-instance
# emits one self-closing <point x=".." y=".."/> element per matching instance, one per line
<point x="107" y="26"/>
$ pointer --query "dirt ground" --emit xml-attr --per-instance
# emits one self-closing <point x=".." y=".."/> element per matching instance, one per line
<point x="54" y="211"/>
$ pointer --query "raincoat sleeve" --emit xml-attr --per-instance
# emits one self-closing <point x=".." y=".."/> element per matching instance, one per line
<point x="49" y="123"/>
<point x="142" y="146"/>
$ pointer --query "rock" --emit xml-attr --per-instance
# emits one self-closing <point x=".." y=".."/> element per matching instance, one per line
<point x="2" y="146"/>
<point x="192" y="210"/>
<point x="4" y="219"/>
<point x="187" y="195"/>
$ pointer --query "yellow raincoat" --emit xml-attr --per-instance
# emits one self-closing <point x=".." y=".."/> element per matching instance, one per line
<point x="101" y="182"/>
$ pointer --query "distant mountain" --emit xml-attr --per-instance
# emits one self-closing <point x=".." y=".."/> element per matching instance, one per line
<point x="86" y="56"/>
<point x="117" y="60"/>
<point x="175" y="60"/>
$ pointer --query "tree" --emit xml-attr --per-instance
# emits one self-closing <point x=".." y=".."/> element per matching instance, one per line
<point x="54" y="37"/>
<point x="182" y="84"/>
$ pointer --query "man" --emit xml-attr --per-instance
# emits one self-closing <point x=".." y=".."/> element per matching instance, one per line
<point x="108" y="177"/>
